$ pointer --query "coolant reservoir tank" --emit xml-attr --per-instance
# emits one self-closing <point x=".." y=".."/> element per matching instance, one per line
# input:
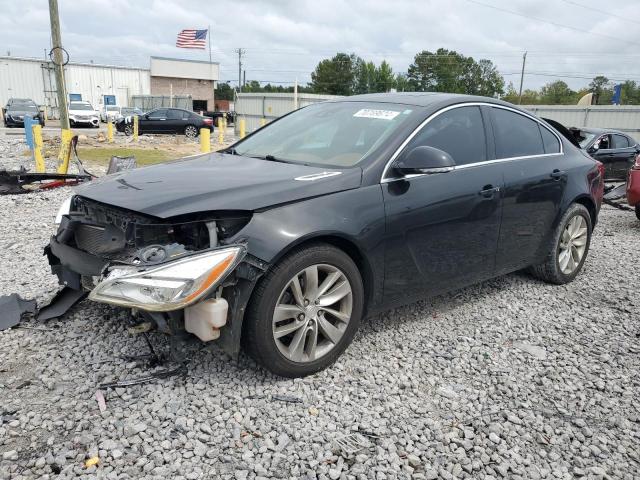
<point x="205" y="319"/>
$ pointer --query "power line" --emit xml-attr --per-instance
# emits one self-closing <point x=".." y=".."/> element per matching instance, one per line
<point x="605" y="12"/>
<point x="550" y="22"/>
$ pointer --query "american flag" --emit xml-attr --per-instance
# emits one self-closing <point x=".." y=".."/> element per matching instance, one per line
<point x="192" y="39"/>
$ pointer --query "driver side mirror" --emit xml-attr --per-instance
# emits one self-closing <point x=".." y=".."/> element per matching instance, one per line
<point x="425" y="160"/>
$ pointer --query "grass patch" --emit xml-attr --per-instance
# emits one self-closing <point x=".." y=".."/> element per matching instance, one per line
<point x="143" y="156"/>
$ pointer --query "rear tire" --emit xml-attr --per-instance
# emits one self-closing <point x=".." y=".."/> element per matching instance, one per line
<point x="565" y="258"/>
<point x="324" y="328"/>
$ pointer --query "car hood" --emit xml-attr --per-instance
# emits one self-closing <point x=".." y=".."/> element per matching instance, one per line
<point x="22" y="112"/>
<point x="89" y="113"/>
<point x="216" y="181"/>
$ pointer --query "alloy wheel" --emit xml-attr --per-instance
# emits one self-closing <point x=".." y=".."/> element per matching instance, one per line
<point x="191" y="131"/>
<point x="573" y="243"/>
<point x="128" y="130"/>
<point x="312" y="313"/>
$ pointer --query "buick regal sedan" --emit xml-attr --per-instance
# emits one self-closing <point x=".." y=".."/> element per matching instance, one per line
<point x="283" y="242"/>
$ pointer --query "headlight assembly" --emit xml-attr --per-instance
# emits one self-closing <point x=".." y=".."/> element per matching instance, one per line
<point x="170" y="286"/>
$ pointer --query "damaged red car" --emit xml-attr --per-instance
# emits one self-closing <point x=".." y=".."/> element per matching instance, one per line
<point x="283" y="242"/>
<point x="633" y="186"/>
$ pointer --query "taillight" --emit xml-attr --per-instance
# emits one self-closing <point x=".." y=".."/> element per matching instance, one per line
<point x="601" y="169"/>
<point x="208" y="121"/>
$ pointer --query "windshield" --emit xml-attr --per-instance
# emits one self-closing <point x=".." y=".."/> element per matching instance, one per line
<point x="584" y="138"/>
<point x="22" y="105"/>
<point x="129" y="111"/>
<point x="112" y="109"/>
<point x="80" y="106"/>
<point x="336" y="134"/>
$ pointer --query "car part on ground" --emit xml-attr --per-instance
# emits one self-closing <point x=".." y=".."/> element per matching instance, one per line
<point x="60" y="304"/>
<point x="366" y="197"/>
<point x="12" y="308"/>
<point x="23" y="181"/>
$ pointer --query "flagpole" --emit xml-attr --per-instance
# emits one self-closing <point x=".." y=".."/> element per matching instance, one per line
<point x="209" y="37"/>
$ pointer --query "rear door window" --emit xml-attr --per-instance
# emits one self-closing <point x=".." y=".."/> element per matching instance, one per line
<point x="515" y="134"/>
<point x="619" y="141"/>
<point x="459" y="132"/>
<point x="550" y="141"/>
<point x="157" y="114"/>
<point x="174" y="114"/>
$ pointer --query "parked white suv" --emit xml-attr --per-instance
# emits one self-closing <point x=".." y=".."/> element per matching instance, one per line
<point x="110" y="113"/>
<point x="83" y="113"/>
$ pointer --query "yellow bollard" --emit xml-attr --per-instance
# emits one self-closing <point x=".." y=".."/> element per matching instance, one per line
<point x="37" y="148"/>
<point x="263" y="122"/>
<point x="243" y="130"/>
<point x="65" y="150"/>
<point x="221" y="131"/>
<point x="135" y="128"/>
<point x="110" y="132"/>
<point x="205" y="140"/>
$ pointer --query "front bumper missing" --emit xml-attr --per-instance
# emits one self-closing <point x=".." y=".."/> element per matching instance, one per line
<point x="80" y="270"/>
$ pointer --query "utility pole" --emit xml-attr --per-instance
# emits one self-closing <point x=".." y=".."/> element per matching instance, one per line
<point x="524" y="60"/>
<point x="58" y="60"/>
<point x="240" y="52"/>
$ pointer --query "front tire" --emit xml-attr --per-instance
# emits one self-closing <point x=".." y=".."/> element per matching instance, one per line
<point x="568" y="248"/>
<point x="305" y="311"/>
<point x="190" y="131"/>
<point x="128" y="130"/>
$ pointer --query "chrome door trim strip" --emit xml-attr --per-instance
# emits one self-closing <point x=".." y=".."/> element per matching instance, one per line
<point x="460" y="105"/>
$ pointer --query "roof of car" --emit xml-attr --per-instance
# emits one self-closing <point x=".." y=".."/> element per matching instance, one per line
<point x="598" y="131"/>
<point x="422" y="99"/>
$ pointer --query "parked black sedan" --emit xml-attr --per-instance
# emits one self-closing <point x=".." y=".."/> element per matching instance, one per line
<point x="166" y="120"/>
<point x="17" y="108"/>
<point x="616" y="150"/>
<point x="287" y="239"/>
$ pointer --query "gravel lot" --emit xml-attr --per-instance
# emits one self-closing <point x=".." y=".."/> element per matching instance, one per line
<point x="512" y="378"/>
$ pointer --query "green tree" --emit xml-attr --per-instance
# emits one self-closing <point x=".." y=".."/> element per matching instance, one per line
<point x="630" y="94"/>
<point x="385" y="80"/>
<point x="601" y="87"/>
<point x="224" y="92"/>
<point x="557" y="93"/>
<point x="402" y="83"/>
<point x="449" y="71"/>
<point x="335" y="76"/>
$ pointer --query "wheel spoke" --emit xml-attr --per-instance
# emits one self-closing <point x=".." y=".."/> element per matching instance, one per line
<point x="343" y="317"/>
<point x="311" y="281"/>
<point x="296" y="347"/>
<point x="563" y="259"/>
<point x="280" y="332"/>
<point x="580" y="241"/>
<point x="296" y="290"/>
<point x="284" y="312"/>
<point x="566" y="236"/>
<point x="312" y="343"/>
<point x="328" y="282"/>
<point x="337" y="293"/>
<point x="330" y="332"/>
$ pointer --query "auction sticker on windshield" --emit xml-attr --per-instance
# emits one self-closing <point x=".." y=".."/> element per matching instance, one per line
<point x="380" y="114"/>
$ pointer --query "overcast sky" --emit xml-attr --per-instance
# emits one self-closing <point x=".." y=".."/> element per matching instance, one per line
<point x="285" y="39"/>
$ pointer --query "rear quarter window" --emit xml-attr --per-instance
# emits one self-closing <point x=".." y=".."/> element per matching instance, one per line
<point x="515" y="134"/>
<point x="550" y="141"/>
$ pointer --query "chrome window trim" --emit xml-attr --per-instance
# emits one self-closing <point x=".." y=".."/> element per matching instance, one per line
<point x="417" y="130"/>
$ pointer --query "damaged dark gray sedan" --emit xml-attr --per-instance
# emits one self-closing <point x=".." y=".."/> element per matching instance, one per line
<point x="284" y="241"/>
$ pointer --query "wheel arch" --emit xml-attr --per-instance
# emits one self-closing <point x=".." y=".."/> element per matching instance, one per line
<point x="347" y="245"/>
<point x="590" y="205"/>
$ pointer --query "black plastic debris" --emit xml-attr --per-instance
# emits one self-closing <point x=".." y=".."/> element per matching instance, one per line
<point x="60" y="304"/>
<point x="12" y="308"/>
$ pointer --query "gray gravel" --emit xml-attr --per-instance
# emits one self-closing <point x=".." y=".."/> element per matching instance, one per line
<point x="512" y="378"/>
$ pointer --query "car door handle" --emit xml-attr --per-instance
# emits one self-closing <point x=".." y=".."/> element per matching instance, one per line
<point x="558" y="174"/>
<point x="488" y="191"/>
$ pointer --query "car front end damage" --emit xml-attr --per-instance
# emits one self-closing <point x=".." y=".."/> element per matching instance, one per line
<point x="180" y="274"/>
